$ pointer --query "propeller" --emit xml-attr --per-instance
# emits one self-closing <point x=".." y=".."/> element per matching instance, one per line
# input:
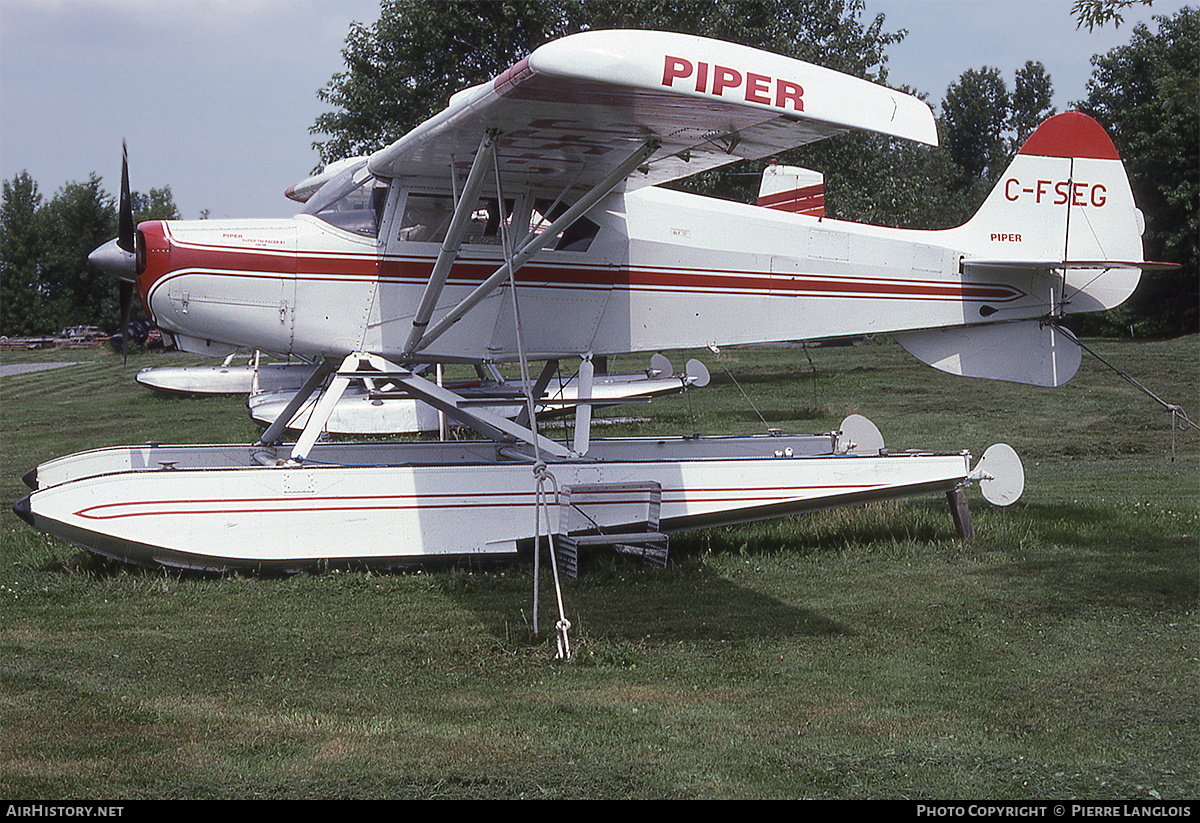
<point x="118" y="257"/>
<point x="125" y="240"/>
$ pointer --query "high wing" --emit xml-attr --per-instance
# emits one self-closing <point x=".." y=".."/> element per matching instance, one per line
<point x="574" y="109"/>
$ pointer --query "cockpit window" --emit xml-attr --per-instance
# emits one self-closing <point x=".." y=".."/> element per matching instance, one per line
<point x="426" y="218"/>
<point x="352" y="201"/>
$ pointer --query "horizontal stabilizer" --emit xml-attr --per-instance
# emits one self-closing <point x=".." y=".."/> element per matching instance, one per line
<point x="1053" y="265"/>
<point x="1026" y="352"/>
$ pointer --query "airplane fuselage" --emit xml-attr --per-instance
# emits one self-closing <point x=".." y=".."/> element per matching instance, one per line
<point x="653" y="269"/>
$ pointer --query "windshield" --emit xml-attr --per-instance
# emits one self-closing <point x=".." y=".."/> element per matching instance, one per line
<point x="352" y="201"/>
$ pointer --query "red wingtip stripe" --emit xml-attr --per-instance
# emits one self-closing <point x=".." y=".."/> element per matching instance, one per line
<point x="1071" y="134"/>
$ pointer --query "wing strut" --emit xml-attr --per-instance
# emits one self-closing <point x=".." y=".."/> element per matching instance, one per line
<point x="361" y="364"/>
<point x="452" y="243"/>
<point x="539" y="389"/>
<point x="276" y="429"/>
<point x="536" y="244"/>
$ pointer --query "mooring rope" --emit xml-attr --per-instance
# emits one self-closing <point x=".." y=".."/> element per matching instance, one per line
<point x="542" y="475"/>
<point x="715" y="350"/>
<point x="1178" y="415"/>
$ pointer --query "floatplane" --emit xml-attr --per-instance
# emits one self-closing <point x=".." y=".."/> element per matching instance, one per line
<point x="379" y="407"/>
<point x="237" y="374"/>
<point x="527" y="223"/>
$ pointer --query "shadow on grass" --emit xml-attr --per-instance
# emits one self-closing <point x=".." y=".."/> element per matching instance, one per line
<point x="1086" y="556"/>
<point x="886" y="528"/>
<point x="619" y="599"/>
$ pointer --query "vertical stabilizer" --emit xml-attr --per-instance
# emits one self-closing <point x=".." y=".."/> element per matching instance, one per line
<point x="792" y="189"/>
<point x="1064" y="203"/>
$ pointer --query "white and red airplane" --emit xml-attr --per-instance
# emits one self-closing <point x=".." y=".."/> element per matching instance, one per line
<point x="526" y="222"/>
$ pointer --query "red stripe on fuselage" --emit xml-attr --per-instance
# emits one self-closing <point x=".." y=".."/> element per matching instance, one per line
<point x="335" y="267"/>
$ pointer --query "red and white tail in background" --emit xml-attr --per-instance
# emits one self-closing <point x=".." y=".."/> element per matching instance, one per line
<point x="1063" y="216"/>
<point x="792" y="189"/>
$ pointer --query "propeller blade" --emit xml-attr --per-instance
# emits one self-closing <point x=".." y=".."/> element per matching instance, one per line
<point x="125" y="227"/>
<point x="125" y="241"/>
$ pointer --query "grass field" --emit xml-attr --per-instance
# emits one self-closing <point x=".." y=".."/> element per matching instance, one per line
<point x="858" y="653"/>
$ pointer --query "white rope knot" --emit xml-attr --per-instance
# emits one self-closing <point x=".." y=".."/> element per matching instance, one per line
<point x="541" y="507"/>
<point x="564" y="646"/>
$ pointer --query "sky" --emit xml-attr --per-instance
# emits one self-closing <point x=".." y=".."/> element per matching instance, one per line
<point x="215" y="97"/>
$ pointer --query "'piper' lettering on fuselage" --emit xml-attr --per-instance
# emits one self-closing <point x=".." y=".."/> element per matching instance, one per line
<point x="724" y="81"/>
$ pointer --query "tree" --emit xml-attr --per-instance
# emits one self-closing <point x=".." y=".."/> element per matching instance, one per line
<point x="1030" y="103"/>
<point x="46" y="282"/>
<point x="157" y="204"/>
<point x="1146" y="94"/>
<point x="403" y="68"/>
<point x="975" y="116"/>
<point x="22" y="305"/>
<point x="80" y="217"/>
<point x="888" y="182"/>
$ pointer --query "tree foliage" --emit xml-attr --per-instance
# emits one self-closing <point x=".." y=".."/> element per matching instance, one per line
<point x="46" y="282"/>
<point x="1147" y="95"/>
<point x="974" y="117"/>
<point x="1093" y="13"/>
<point x="404" y="67"/>
<point x="22" y="300"/>
<point x="1030" y="102"/>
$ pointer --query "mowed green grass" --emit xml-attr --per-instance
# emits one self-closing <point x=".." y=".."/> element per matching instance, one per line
<point x="856" y="653"/>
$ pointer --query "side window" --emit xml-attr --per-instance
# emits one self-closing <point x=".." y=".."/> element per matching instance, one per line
<point x="484" y="227"/>
<point x="425" y="218"/>
<point x="577" y="237"/>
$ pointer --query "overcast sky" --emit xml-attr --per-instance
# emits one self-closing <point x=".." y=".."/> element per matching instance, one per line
<point x="215" y="97"/>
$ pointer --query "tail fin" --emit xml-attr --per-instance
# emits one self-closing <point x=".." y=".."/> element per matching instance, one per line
<point x="792" y="189"/>
<point x="1064" y="203"/>
<point x="1062" y="209"/>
